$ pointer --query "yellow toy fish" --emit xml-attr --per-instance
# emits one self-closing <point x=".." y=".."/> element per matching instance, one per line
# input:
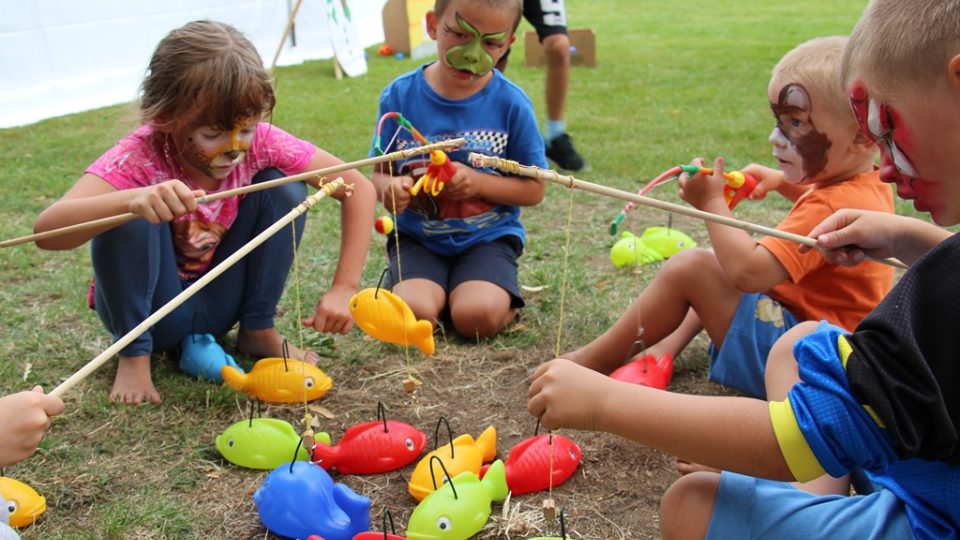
<point x="23" y="502"/>
<point x="278" y="380"/>
<point x="385" y="316"/>
<point x="468" y="455"/>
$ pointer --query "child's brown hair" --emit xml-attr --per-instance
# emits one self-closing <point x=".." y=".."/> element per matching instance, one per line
<point x="516" y="6"/>
<point x="815" y="64"/>
<point x="205" y="72"/>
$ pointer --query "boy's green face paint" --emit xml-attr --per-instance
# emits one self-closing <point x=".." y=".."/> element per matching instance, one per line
<point x="472" y="56"/>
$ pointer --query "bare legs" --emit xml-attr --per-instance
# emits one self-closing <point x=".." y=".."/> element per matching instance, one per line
<point x="477" y="308"/>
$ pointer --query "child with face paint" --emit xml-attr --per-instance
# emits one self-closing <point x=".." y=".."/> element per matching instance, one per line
<point x="745" y="292"/>
<point x="882" y="398"/>
<point x="457" y="250"/>
<point x="203" y="106"/>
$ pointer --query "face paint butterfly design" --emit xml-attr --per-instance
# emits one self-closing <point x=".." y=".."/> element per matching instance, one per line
<point x="876" y="121"/>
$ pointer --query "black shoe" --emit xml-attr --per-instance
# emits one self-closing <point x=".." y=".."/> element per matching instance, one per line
<point x="561" y="151"/>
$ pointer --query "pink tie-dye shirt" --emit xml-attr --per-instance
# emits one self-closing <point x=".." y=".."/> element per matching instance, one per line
<point x="145" y="157"/>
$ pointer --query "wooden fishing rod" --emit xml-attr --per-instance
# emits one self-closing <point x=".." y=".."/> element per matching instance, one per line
<point x="512" y="167"/>
<point x="123" y="218"/>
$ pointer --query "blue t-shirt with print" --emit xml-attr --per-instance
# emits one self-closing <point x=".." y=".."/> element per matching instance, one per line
<point x="497" y="121"/>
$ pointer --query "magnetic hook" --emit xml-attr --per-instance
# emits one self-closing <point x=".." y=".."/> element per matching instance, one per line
<point x="436" y="434"/>
<point x="445" y="473"/>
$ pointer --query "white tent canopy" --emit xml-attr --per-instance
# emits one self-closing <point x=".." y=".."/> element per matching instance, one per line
<point x="63" y="56"/>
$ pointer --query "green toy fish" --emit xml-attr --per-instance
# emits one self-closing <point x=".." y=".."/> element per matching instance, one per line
<point x="262" y="443"/>
<point x="460" y="508"/>
<point x="655" y="245"/>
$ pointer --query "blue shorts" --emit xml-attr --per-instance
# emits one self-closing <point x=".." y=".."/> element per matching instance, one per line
<point x="741" y="362"/>
<point x="494" y="262"/>
<point x="748" y="507"/>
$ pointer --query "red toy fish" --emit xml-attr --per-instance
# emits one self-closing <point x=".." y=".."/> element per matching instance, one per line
<point x="370" y="535"/>
<point x="372" y="447"/>
<point x="528" y="463"/>
<point x="647" y="371"/>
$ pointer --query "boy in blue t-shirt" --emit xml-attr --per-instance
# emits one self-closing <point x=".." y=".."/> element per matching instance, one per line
<point x="884" y="398"/>
<point x="457" y="251"/>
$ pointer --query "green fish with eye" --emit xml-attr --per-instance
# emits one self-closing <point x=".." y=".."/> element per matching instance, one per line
<point x="472" y="56"/>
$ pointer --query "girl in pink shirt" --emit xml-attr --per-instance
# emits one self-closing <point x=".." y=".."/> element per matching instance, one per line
<point x="202" y="109"/>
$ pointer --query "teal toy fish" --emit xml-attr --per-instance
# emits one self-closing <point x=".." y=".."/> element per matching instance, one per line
<point x="460" y="507"/>
<point x="262" y="443"/>
<point x="655" y="245"/>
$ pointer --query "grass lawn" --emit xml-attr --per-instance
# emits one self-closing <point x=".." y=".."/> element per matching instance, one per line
<point x="673" y="81"/>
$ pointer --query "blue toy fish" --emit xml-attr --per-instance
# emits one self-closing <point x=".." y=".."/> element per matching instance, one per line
<point x="460" y="508"/>
<point x="202" y="357"/>
<point x="300" y="499"/>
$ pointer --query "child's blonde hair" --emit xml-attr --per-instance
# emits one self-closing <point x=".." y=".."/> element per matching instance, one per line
<point x="902" y="44"/>
<point x="515" y="6"/>
<point x="205" y="72"/>
<point x="815" y="64"/>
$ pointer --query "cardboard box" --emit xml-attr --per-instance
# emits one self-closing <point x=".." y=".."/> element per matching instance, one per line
<point x="405" y="27"/>
<point x="583" y="48"/>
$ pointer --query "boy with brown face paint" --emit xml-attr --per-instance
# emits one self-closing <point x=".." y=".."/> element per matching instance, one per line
<point x="746" y="293"/>
<point x="456" y="250"/>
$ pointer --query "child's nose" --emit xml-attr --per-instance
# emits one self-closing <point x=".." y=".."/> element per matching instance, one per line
<point x="232" y="154"/>
<point x="777" y="138"/>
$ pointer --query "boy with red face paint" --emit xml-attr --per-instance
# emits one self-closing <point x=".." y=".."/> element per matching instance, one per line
<point x="457" y="250"/>
<point x="202" y="108"/>
<point x="883" y="398"/>
<point x="746" y="293"/>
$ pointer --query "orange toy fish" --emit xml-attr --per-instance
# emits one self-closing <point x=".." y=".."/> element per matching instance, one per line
<point x="466" y="455"/>
<point x="385" y="316"/>
<point x="279" y="380"/>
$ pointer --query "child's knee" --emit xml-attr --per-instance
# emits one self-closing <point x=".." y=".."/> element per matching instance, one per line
<point x="688" y="264"/>
<point x="687" y="506"/>
<point x="478" y="318"/>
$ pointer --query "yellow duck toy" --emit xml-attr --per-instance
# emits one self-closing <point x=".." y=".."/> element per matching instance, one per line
<point x="468" y="455"/>
<point x="385" y="316"/>
<point x="279" y="380"/>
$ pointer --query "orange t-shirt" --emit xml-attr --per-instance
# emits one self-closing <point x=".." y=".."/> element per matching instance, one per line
<point x="819" y="290"/>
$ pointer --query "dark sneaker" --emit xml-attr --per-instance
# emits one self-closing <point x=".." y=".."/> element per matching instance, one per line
<point x="561" y="151"/>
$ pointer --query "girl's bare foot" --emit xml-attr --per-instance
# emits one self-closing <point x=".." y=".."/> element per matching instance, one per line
<point x="687" y="467"/>
<point x="268" y="342"/>
<point x="133" y="384"/>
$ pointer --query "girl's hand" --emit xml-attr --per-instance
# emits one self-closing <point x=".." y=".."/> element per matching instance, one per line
<point x="701" y="191"/>
<point x="565" y="394"/>
<point x="462" y="185"/>
<point x="396" y="196"/>
<point x="332" y="314"/>
<point x="164" y="201"/>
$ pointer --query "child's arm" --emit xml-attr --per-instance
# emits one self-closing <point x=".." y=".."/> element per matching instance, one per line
<point x="510" y="190"/>
<point x="332" y="313"/>
<point x="848" y="236"/>
<point x="23" y="419"/>
<point x="93" y="198"/>
<point x="729" y="433"/>
<point x="769" y="179"/>
<point x="749" y="266"/>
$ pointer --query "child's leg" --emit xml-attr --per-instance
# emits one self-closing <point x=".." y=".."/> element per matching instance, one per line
<point x="687" y="506"/>
<point x="419" y="277"/>
<point x="251" y="289"/>
<point x="680" y="338"/>
<point x="135" y="271"/>
<point x="782" y="374"/>
<point x="485" y="295"/>
<point x="690" y="279"/>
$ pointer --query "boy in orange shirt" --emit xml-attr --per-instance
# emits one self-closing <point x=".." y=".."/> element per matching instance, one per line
<point x="747" y="293"/>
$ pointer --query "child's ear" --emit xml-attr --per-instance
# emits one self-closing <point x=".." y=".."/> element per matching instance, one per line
<point x="431" y="19"/>
<point x="953" y="67"/>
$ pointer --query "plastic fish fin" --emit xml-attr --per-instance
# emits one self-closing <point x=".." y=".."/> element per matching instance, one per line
<point x="665" y="363"/>
<point x="234" y="378"/>
<point x="422" y="337"/>
<point x="326" y="456"/>
<point x="495" y="481"/>
<point x="356" y="507"/>
<point x="487" y="443"/>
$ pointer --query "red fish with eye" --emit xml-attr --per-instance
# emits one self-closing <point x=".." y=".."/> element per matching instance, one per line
<point x="528" y="464"/>
<point x="647" y="371"/>
<point x="372" y="447"/>
<point x="371" y="535"/>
